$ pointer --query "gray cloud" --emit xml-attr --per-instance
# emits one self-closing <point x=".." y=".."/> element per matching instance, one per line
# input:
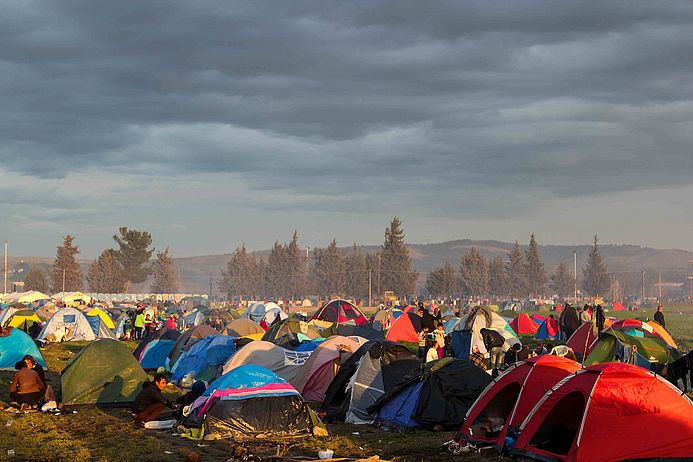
<point x="344" y="106"/>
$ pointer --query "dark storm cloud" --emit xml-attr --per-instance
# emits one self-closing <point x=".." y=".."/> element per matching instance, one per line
<point x="444" y="98"/>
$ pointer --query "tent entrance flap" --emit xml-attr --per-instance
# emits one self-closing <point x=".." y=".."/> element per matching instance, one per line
<point x="497" y="411"/>
<point x="367" y="387"/>
<point x="560" y="427"/>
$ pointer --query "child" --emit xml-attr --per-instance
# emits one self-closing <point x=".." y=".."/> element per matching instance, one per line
<point x="440" y="339"/>
<point x="423" y="335"/>
<point x="432" y="353"/>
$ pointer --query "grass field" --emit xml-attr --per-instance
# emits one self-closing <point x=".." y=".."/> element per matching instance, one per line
<point x="93" y="434"/>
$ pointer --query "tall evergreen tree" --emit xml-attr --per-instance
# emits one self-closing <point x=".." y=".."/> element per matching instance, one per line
<point x="595" y="274"/>
<point x="35" y="279"/>
<point x="498" y="278"/>
<point x="396" y="272"/>
<point x="515" y="270"/>
<point x="65" y="267"/>
<point x="562" y="281"/>
<point x="165" y="280"/>
<point x="329" y="270"/>
<point x="241" y="276"/>
<point x="297" y="269"/>
<point x="106" y="274"/>
<point x="443" y="281"/>
<point x="534" y="269"/>
<point x="134" y="252"/>
<point x="356" y="274"/>
<point x="277" y="272"/>
<point x="474" y="273"/>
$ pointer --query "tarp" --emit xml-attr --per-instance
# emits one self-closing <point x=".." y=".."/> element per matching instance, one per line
<point x="581" y="418"/>
<point x="67" y="324"/>
<point x="340" y="311"/>
<point x="438" y="393"/>
<point x="285" y="363"/>
<point x="104" y="373"/>
<point x="14" y="345"/>
<point x="204" y="358"/>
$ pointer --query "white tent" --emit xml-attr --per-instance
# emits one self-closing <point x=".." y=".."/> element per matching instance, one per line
<point x="264" y="311"/>
<point x="67" y="324"/>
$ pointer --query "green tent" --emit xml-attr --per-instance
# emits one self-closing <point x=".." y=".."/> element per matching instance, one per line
<point x="652" y="349"/>
<point x="105" y="373"/>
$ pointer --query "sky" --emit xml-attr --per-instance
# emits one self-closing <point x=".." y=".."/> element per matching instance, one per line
<point x="216" y="123"/>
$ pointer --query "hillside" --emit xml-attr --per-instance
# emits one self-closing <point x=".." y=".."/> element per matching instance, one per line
<point x="626" y="260"/>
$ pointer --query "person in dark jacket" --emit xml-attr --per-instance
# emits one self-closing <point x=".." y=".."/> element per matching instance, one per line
<point x="195" y="392"/>
<point x="427" y="320"/>
<point x="511" y="356"/>
<point x="569" y="321"/>
<point x="493" y="341"/>
<point x="150" y="404"/>
<point x="659" y="316"/>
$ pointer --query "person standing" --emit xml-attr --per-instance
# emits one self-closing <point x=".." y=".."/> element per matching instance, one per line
<point x="139" y="324"/>
<point x="423" y="337"/>
<point x="659" y="316"/>
<point x="493" y="341"/>
<point x="569" y="321"/>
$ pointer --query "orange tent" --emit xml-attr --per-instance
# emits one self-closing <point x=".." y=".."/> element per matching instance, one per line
<point x="662" y="332"/>
<point x="406" y="328"/>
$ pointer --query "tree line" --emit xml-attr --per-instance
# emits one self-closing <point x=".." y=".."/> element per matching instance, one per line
<point x="519" y="275"/>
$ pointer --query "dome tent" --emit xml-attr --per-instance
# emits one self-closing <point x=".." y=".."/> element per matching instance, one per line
<point x="160" y="334"/>
<point x="482" y="317"/>
<point x="373" y="370"/>
<point x="437" y="393"/>
<point x="285" y="363"/>
<point x="524" y="325"/>
<point x="104" y="373"/>
<point x="186" y="340"/>
<point x="14" y="345"/>
<point x="251" y="400"/>
<point x="244" y="328"/>
<point x="67" y="324"/>
<point x="585" y="416"/>
<point x="290" y="333"/>
<point x="405" y="328"/>
<point x="340" y="311"/>
<point x="513" y="394"/>
<point x="204" y="358"/>
<point x="267" y="312"/>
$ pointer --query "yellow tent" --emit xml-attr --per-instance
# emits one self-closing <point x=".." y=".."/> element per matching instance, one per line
<point x="32" y="296"/>
<point x="107" y="321"/>
<point x="666" y="336"/>
<point x="72" y="298"/>
<point x="22" y="321"/>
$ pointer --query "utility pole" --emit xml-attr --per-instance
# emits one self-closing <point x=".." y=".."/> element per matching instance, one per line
<point x="642" y="287"/>
<point x="575" y="275"/>
<point x="63" y="282"/>
<point x="209" y="300"/>
<point x="5" y="270"/>
<point x="370" y="284"/>
<point x="660" y="287"/>
<point x="379" y="256"/>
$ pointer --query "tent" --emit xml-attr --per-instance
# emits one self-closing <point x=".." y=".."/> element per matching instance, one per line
<point x="538" y="318"/>
<point x="46" y="311"/>
<point x="252" y="401"/>
<point x="105" y="318"/>
<point x="313" y="378"/>
<point x="340" y="311"/>
<point x="386" y="317"/>
<point x="160" y="334"/>
<point x="524" y="325"/>
<point x="154" y="354"/>
<point x="548" y="330"/>
<point x="72" y="298"/>
<point x="609" y="412"/>
<point x="373" y="370"/>
<point x="67" y="324"/>
<point x="267" y="312"/>
<point x="104" y="373"/>
<point x="350" y="330"/>
<point x="437" y="393"/>
<point x="582" y="340"/>
<point x="22" y="319"/>
<point x="614" y="345"/>
<point x="14" y="345"/>
<point x="405" y="328"/>
<point x="663" y="333"/>
<point x="291" y="332"/>
<point x="512" y="395"/>
<point x="28" y="297"/>
<point x="638" y="328"/>
<point x="285" y="363"/>
<point x="186" y="340"/>
<point x="244" y="328"/>
<point x="204" y="358"/>
<point x="481" y="317"/>
<point x="617" y="307"/>
<point x="99" y="327"/>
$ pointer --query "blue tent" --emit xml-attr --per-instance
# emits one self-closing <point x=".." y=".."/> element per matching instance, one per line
<point x="311" y="345"/>
<point x="15" y="346"/>
<point x="155" y="353"/>
<point x="461" y="343"/>
<point x="204" y="358"/>
<point x="543" y="332"/>
<point x="400" y="409"/>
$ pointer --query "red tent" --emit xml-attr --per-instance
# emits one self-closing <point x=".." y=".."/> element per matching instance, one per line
<point x="340" y="311"/>
<point x="559" y="308"/>
<point x="618" y="307"/>
<point x="513" y="395"/>
<point x="406" y="328"/>
<point x="582" y="339"/>
<point x="608" y="412"/>
<point x="524" y="325"/>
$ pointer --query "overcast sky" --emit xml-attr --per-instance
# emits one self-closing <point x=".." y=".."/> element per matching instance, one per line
<point x="216" y="123"/>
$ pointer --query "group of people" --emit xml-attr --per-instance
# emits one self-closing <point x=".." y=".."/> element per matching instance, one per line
<point x="29" y="388"/>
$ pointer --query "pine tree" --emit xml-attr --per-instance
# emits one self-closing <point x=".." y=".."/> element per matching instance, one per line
<point x="240" y="277"/>
<point x="297" y="269"/>
<point x="373" y="264"/>
<point x="165" y="280"/>
<point x="133" y="254"/>
<point x="35" y="279"/>
<point x="66" y="267"/>
<point x="106" y="274"/>
<point x="498" y="278"/>
<point x="396" y="272"/>
<point x="277" y="272"/>
<point x="595" y="275"/>
<point x="515" y="271"/>
<point x="443" y="281"/>
<point x="329" y="270"/>
<point x="562" y="281"/>
<point x="474" y="273"/>
<point x="534" y="269"/>
<point x="356" y="273"/>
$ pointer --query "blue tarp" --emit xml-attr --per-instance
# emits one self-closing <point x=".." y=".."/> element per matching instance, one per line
<point x="155" y="353"/>
<point x="399" y="410"/>
<point x="209" y="353"/>
<point x="14" y="347"/>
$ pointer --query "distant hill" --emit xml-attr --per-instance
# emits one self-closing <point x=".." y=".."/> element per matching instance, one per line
<point x="626" y="260"/>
